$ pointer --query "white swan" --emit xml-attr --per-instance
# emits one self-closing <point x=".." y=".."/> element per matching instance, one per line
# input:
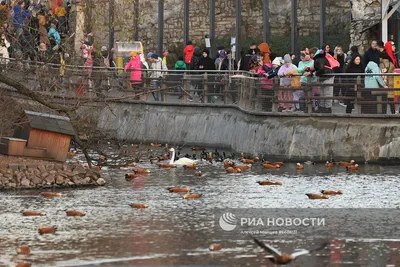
<point x="181" y="161"/>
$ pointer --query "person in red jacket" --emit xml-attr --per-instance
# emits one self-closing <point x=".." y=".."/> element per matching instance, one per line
<point x="390" y="48"/>
<point x="188" y="52"/>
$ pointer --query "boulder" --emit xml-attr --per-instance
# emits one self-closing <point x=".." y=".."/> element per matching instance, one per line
<point x="41" y="168"/>
<point x="87" y="180"/>
<point x="59" y="180"/>
<point x="25" y="183"/>
<point x="36" y="180"/>
<point x="50" y="167"/>
<point x="101" y="181"/>
<point x="50" y="179"/>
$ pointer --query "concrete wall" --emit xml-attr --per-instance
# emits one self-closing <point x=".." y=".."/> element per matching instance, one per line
<point x="278" y="136"/>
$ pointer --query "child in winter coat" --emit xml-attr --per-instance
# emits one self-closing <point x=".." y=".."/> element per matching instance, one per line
<point x="180" y="65"/>
<point x="135" y="66"/>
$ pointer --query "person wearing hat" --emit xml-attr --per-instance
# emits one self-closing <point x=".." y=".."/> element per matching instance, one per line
<point x="158" y="72"/>
<point x="222" y="63"/>
<point x="381" y="46"/>
<point x="286" y="79"/>
<point x="54" y="36"/>
<point x="188" y="52"/>
<point x="165" y="54"/>
<point x="135" y="67"/>
<point x="245" y="60"/>
<point x="205" y="64"/>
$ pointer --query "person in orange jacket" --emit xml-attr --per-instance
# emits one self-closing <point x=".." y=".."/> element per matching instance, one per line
<point x="265" y="51"/>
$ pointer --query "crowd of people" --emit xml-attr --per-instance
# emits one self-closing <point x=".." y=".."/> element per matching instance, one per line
<point x="309" y="69"/>
<point x="33" y="29"/>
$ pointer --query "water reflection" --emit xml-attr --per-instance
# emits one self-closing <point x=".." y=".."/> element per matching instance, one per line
<point x="174" y="231"/>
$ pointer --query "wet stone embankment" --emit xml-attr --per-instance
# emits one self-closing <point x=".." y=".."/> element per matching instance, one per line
<point x="45" y="175"/>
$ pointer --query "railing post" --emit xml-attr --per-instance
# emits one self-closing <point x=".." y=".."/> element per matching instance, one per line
<point x="163" y="91"/>
<point x="185" y="88"/>
<point x="242" y="83"/>
<point x="226" y="88"/>
<point x="357" y="103"/>
<point x="205" y="88"/>
<point x="275" y="105"/>
<point x="309" y="99"/>
<point x="146" y="88"/>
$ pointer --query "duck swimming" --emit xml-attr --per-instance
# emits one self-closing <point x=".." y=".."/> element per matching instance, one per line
<point x="316" y="196"/>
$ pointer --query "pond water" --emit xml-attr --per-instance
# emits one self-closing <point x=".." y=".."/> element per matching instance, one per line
<point x="173" y="231"/>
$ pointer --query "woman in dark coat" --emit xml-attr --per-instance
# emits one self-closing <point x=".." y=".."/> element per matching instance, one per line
<point x="206" y="64"/>
<point x="355" y="66"/>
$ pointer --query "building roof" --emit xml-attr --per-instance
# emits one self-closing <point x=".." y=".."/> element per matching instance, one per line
<point x="50" y="123"/>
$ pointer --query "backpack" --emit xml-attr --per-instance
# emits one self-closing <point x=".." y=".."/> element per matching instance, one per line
<point x="333" y="63"/>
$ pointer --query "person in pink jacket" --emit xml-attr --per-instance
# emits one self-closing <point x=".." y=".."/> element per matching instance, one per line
<point x="135" y="65"/>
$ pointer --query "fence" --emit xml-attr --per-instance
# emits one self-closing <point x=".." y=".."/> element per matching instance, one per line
<point x="337" y="94"/>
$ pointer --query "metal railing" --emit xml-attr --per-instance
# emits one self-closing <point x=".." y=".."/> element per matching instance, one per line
<point x="346" y="93"/>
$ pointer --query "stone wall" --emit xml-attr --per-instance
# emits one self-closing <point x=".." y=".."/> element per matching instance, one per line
<point x="289" y="137"/>
<point x="338" y="20"/>
<point x="365" y="15"/>
<point x="34" y="175"/>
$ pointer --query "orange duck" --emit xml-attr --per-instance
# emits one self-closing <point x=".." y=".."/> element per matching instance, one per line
<point x="299" y="167"/>
<point x="331" y="192"/>
<point x="191" y="196"/>
<point x="198" y="148"/>
<point x="71" y="154"/>
<point x="215" y="247"/>
<point x="23" y="264"/>
<point x="271" y="166"/>
<point x="351" y="168"/>
<point x="345" y="164"/>
<point x="277" y="163"/>
<point x="132" y="164"/>
<point x="23" y="250"/>
<point x="167" y="166"/>
<point x="50" y="194"/>
<point x="329" y="164"/>
<point x="192" y="167"/>
<point x="47" y="230"/>
<point x="247" y="161"/>
<point x="33" y="213"/>
<point x="233" y="170"/>
<point x="139" y="206"/>
<point x="75" y="213"/>
<point x="228" y="164"/>
<point x="178" y="189"/>
<point x="198" y="173"/>
<point x="242" y="167"/>
<point x="156" y="145"/>
<point x="131" y="176"/>
<point x="269" y="183"/>
<point x="316" y="196"/>
<point x="141" y="171"/>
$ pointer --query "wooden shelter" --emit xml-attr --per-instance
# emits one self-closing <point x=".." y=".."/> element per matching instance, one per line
<point x="40" y="135"/>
